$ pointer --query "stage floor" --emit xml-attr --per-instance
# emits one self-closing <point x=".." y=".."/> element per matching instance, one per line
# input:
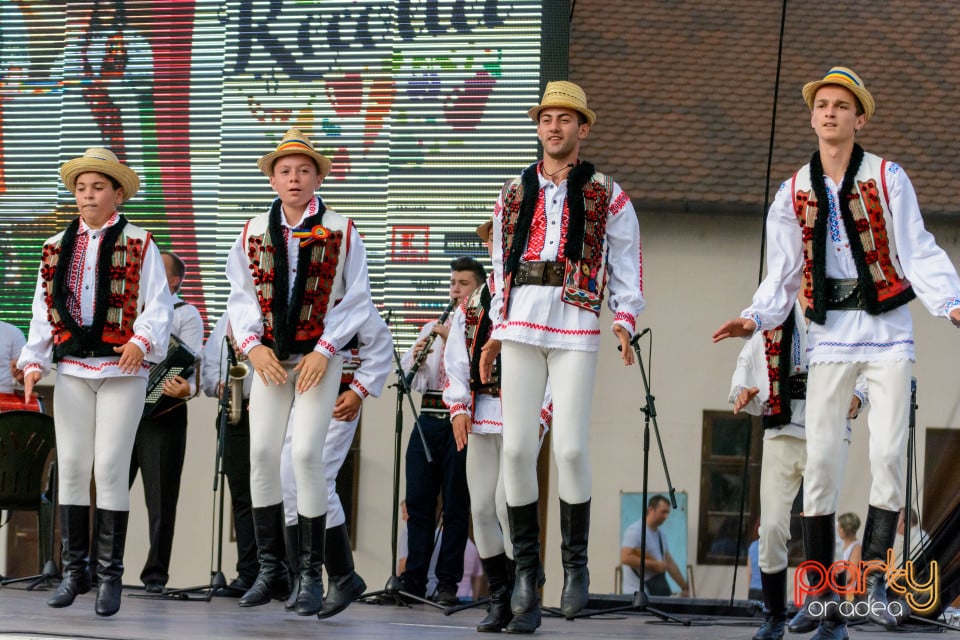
<point x="24" y="614"/>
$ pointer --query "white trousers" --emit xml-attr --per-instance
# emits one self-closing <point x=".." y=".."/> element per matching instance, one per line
<point x="488" y="499"/>
<point x="96" y="423"/>
<point x="270" y="409"/>
<point x="829" y="389"/>
<point x="523" y="381"/>
<point x="335" y="450"/>
<point x="781" y="472"/>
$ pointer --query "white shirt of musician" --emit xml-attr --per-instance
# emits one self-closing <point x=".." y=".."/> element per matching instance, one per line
<point x="431" y="376"/>
<point x="188" y="326"/>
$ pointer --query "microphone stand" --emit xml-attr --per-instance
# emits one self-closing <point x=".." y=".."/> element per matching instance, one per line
<point x="641" y="601"/>
<point x="218" y="582"/>
<point x="392" y="592"/>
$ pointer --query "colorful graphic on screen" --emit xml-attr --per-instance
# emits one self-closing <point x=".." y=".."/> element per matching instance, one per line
<point x="421" y="105"/>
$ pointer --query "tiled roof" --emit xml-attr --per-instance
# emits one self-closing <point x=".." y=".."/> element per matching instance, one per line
<point x="684" y="93"/>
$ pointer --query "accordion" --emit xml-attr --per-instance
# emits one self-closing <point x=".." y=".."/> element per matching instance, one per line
<point x="180" y="361"/>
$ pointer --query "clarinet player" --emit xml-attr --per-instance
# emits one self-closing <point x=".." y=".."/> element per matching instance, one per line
<point x="447" y="473"/>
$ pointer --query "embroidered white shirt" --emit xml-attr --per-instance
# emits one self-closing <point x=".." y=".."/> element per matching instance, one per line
<point x="855" y="336"/>
<point x="151" y="327"/>
<point x="343" y="317"/>
<point x="537" y="315"/>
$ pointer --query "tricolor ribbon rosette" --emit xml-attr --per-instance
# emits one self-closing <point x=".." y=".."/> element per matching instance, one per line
<point x="309" y="236"/>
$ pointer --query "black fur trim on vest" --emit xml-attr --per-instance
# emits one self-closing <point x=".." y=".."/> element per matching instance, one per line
<point x="286" y="312"/>
<point x="785" y="416"/>
<point x="87" y="339"/>
<point x="818" y="311"/>
<point x="578" y="178"/>
<point x="530" y="182"/>
<point x="866" y="285"/>
<point x="576" y="223"/>
<point x="481" y="337"/>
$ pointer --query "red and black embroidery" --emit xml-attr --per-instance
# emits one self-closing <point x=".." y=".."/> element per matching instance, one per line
<point x="778" y="345"/>
<point x="582" y="243"/>
<point x="862" y="213"/>
<point x="119" y="263"/>
<point x="293" y="324"/>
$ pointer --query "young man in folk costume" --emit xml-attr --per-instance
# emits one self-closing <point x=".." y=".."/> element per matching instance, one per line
<point x="846" y="232"/>
<point x="562" y="234"/>
<point x="367" y="363"/>
<point x="101" y="312"/>
<point x="446" y="475"/>
<point x="299" y="291"/>
<point x="477" y="421"/>
<point x="770" y="381"/>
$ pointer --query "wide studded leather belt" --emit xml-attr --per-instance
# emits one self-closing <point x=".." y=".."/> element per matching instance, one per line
<point x="844" y="294"/>
<point x="547" y="274"/>
<point x="798" y="386"/>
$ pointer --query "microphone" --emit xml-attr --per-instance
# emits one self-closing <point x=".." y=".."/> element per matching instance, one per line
<point x="635" y="340"/>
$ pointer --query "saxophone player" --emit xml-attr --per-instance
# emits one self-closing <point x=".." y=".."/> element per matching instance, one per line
<point x="236" y="451"/>
<point x="446" y="475"/>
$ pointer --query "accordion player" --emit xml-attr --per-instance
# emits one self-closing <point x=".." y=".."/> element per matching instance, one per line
<point x="180" y="361"/>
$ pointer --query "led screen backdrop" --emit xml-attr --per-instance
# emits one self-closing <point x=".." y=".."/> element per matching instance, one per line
<point x="421" y="104"/>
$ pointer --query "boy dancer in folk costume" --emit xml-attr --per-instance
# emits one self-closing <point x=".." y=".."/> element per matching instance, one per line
<point x="562" y="232"/>
<point x="368" y="361"/>
<point x="101" y="312"/>
<point x="847" y="233"/>
<point x="299" y="291"/>
<point x="446" y="475"/>
<point x="770" y="380"/>
<point x="477" y="425"/>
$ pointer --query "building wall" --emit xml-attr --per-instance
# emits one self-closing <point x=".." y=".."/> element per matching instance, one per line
<point x="699" y="272"/>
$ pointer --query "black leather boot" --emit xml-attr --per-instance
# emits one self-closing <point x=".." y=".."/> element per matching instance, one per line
<point x="819" y="541"/>
<point x="291" y="534"/>
<point x="343" y="584"/>
<point x="499" y="614"/>
<point x="111" y="540"/>
<point x="75" y="538"/>
<point x="774" y="606"/>
<point x="273" y="580"/>
<point x="878" y="533"/>
<point x="312" y="536"/>
<point x="525" y="601"/>
<point x="574" y="533"/>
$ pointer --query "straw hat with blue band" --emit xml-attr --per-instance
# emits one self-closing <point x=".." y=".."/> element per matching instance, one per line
<point x="102" y="161"/>
<point x="846" y="78"/>
<point x="567" y="95"/>
<point x="295" y="142"/>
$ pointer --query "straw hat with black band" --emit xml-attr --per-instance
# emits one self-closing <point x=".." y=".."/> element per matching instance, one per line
<point x="102" y="161"/>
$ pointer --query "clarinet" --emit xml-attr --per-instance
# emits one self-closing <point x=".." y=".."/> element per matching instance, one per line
<point x="422" y="356"/>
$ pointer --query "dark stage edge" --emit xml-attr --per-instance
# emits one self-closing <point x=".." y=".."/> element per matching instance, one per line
<point x="24" y="614"/>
